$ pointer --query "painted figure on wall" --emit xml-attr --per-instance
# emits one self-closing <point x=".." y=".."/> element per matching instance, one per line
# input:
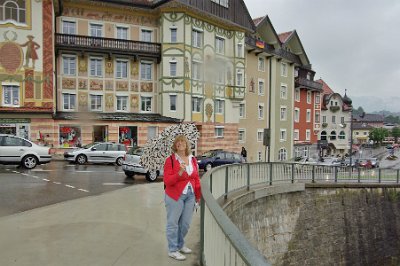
<point x="31" y="47"/>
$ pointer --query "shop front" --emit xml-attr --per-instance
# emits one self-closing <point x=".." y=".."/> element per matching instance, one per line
<point x="16" y="126"/>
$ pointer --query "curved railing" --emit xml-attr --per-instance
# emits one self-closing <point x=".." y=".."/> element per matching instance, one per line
<point x="221" y="241"/>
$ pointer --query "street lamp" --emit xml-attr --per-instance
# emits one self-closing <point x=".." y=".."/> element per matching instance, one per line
<point x="348" y="102"/>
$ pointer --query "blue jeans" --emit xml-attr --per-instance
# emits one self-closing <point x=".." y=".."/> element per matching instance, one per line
<point x="179" y="217"/>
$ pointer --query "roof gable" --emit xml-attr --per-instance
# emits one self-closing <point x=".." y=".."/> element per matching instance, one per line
<point x="266" y="31"/>
<point x="292" y="41"/>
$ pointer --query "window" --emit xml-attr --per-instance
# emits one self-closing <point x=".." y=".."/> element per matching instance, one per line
<point x="122" y="33"/>
<point x="96" y="102"/>
<point x="308" y="134"/>
<point x="146" y="35"/>
<point x="261" y="87"/>
<point x="309" y="76"/>
<point x="296" y="134"/>
<point x="69" y="101"/>
<point x="145" y="105"/>
<point x="172" y="102"/>
<point x="283" y="92"/>
<point x="13" y="11"/>
<point x="122" y="103"/>
<point x="219" y="106"/>
<point x="317" y="117"/>
<point x="282" y="135"/>
<point x="342" y="120"/>
<point x="70" y="136"/>
<point x="334" y="119"/>
<point x="122" y="69"/>
<point x="224" y="3"/>
<point x="357" y="133"/>
<point x="323" y="135"/>
<point x="196" y="68"/>
<point x="317" y="98"/>
<point x="342" y="135"/>
<point x="297" y="95"/>
<point x="69" y="65"/>
<point x="221" y="76"/>
<point x="172" y="69"/>
<point x="296" y="115"/>
<point x="308" y="96"/>
<point x="323" y="119"/>
<point x="197" y="37"/>
<point x="196" y="104"/>
<point x="306" y="152"/>
<point x="308" y="115"/>
<point x="260" y="135"/>
<point x="239" y="51"/>
<point x="259" y="156"/>
<point x="174" y="32"/>
<point x="68" y="27"/>
<point x="284" y="70"/>
<point x="151" y="132"/>
<point x="96" y="30"/>
<point x="261" y="64"/>
<point x="242" y="135"/>
<point x="11" y="95"/>
<point x="333" y="135"/>
<point x="219" y="45"/>
<point x="242" y="110"/>
<point x="145" y="70"/>
<point x="283" y="113"/>
<point x="260" y="111"/>
<point x="282" y="154"/>
<point x="365" y="133"/>
<point x="296" y="72"/>
<point x="239" y="78"/>
<point x="96" y="67"/>
<point x="14" y="141"/>
<point x="219" y="132"/>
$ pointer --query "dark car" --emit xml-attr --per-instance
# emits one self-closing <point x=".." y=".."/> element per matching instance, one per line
<point x="215" y="158"/>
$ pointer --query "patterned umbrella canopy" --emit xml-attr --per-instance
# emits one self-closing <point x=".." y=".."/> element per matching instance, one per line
<point x="158" y="149"/>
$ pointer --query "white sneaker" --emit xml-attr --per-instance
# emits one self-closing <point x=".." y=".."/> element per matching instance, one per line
<point x="186" y="250"/>
<point x="177" y="255"/>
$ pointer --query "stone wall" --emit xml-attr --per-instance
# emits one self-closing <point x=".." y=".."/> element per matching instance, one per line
<point x="323" y="226"/>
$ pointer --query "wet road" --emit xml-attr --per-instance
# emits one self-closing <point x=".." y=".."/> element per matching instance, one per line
<point x="58" y="181"/>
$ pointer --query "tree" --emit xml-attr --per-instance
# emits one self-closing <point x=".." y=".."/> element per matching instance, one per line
<point x="395" y="133"/>
<point x="392" y="119"/>
<point x="378" y="134"/>
<point x="358" y="111"/>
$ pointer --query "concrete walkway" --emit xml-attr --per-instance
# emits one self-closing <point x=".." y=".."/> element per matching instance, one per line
<point x="123" y="227"/>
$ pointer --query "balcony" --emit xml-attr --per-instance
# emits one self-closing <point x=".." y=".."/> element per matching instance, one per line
<point x="108" y="45"/>
<point x="309" y="84"/>
<point x="235" y="93"/>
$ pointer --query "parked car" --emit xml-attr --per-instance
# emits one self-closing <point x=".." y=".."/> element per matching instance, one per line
<point x="369" y="163"/>
<point x="131" y="165"/>
<point x="332" y="161"/>
<point x="215" y="158"/>
<point x="307" y="160"/>
<point x="102" y="152"/>
<point x="16" y="150"/>
<point x="346" y="162"/>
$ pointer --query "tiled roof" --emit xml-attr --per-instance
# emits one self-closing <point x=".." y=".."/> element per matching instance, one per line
<point x="284" y="36"/>
<point x="325" y="88"/>
<point x="370" y="118"/>
<point x="360" y="126"/>
<point x="134" y="117"/>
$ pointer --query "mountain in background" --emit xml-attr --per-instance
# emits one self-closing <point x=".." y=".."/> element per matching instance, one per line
<point x="372" y="104"/>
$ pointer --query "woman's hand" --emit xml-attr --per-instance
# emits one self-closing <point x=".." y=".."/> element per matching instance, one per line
<point x="182" y="169"/>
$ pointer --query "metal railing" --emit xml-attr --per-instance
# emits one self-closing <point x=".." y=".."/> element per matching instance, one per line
<point x="308" y="83"/>
<point x="221" y="241"/>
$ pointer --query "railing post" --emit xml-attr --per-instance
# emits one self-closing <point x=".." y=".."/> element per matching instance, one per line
<point x="226" y="183"/>
<point x="292" y="172"/>
<point x="313" y="174"/>
<point x="335" y="169"/>
<point x="211" y="183"/>
<point x="248" y="177"/>
<point x="398" y="175"/>
<point x="359" y="175"/>
<point x="379" y="175"/>
<point x="202" y="211"/>
<point x="270" y="174"/>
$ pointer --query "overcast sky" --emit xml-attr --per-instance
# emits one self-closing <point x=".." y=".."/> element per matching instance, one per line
<point x="353" y="45"/>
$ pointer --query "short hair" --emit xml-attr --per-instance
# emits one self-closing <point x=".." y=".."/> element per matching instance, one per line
<point x="182" y="138"/>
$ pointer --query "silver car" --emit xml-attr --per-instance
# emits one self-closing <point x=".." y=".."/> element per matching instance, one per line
<point x="103" y="152"/>
<point x="131" y="165"/>
<point x="16" y="150"/>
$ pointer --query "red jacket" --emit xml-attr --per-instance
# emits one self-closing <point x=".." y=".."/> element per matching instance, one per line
<point x="175" y="184"/>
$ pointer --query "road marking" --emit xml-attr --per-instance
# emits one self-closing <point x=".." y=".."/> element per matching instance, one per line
<point x="24" y="174"/>
<point x="85" y="171"/>
<point x="114" y="184"/>
<point x="15" y="172"/>
<point x="84" y="190"/>
<point x="44" y="179"/>
<point x="41" y="170"/>
<point x="35" y="176"/>
<point x="70" y="186"/>
<point x="57" y="183"/>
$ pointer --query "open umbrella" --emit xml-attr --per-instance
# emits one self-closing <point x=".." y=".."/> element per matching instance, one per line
<point x="158" y="149"/>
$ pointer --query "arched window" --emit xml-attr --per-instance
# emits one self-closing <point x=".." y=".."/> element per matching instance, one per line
<point x="323" y="135"/>
<point x="333" y="135"/>
<point x="342" y="135"/>
<point x="282" y="154"/>
<point x="11" y="11"/>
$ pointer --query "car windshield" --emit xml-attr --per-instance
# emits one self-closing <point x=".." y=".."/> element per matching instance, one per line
<point x="136" y="151"/>
<point x="87" y="146"/>
<point x="208" y="154"/>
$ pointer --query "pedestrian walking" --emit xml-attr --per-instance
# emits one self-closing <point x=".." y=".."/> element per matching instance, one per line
<point x="243" y="153"/>
<point x="182" y="195"/>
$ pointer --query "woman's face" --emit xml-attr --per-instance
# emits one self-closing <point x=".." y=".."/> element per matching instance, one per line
<point x="181" y="145"/>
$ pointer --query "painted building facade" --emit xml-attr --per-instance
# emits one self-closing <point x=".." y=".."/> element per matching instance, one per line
<point x="26" y="69"/>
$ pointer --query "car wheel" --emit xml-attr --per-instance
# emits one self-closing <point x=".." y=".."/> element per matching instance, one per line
<point x="207" y="167"/>
<point x="119" y="161"/>
<point x="151" y="176"/>
<point x="29" y="161"/>
<point x="81" y="159"/>
<point x="129" y="175"/>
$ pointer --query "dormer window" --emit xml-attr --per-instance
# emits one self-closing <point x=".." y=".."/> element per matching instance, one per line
<point x="224" y="3"/>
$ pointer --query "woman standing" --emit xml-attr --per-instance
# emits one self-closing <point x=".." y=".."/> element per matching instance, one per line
<point x="182" y="194"/>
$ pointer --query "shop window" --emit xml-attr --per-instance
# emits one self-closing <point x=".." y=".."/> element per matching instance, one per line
<point x="128" y="136"/>
<point x="11" y="96"/>
<point x="70" y="136"/>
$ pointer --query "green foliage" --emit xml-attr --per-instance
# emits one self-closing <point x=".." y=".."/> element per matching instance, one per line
<point x="378" y="134"/>
<point x="396" y="133"/>
<point x="392" y="119"/>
